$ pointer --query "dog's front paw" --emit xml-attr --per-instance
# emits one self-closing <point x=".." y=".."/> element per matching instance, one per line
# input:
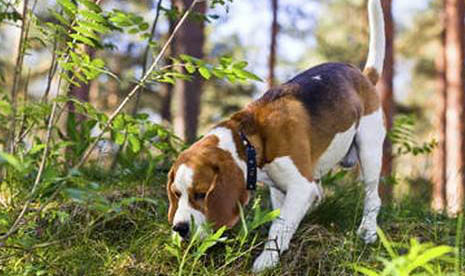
<point x="268" y="259"/>
<point x="367" y="235"/>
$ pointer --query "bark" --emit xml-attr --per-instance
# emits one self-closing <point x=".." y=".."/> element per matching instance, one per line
<point x="439" y="171"/>
<point x="454" y="114"/>
<point x="273" y="44"/>
<point x="385" y="87"/>
<point x="168" y="89"/>
<point x="190" y="41"/>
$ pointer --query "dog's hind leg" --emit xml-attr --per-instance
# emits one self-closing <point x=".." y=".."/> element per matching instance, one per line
<point x="369" y="140"/>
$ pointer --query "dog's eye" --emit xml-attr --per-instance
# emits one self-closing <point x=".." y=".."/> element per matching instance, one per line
<point x="199" y="196"/>
<point x="177" y="194"/>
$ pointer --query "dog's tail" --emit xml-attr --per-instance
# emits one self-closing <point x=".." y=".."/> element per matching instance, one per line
<point x="375" y="61"/>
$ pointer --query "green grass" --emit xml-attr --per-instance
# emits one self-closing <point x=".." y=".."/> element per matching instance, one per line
<point x="131" y="234"/>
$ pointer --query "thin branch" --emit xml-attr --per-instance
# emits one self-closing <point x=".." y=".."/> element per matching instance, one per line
<point x="17" y="76"/>
<point x="137" y="87"/>
<point x="23" y="117"/>
<point x="15" y="225"/>
<point x="146" y="55"/>
<point x="52" y="70"/>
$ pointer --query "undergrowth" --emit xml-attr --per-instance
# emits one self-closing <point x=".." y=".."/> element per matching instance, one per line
<point x="130" y="235"/>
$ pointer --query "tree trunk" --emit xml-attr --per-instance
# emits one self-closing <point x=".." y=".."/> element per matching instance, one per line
<point x="438" y="199"/>
<point x="273" y="44"/>
<point x="167" y="88"/>
<point x="190" y="41"/>
<point x="385" y="87"/>
<point x="454" y="115"/>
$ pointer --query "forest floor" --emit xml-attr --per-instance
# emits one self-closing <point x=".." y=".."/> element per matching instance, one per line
<point x="120" y="228"/>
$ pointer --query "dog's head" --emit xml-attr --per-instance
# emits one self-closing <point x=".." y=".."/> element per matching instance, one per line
<point x="205" y="184"/>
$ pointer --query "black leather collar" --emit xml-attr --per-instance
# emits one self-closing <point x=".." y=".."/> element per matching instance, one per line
<point x="251" y="155"/>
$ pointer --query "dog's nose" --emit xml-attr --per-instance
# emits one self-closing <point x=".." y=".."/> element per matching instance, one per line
<point x="182" y="228"/>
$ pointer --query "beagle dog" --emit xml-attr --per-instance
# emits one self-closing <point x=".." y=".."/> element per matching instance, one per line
<point x="288" y="139"/>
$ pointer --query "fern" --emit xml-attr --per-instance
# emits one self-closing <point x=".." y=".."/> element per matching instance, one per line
<point x="404" y="139"/>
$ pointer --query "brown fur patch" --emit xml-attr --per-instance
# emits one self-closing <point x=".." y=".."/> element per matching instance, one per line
<point x="372" y="74"/>
<point x="298" y="119"/>
<point x="215" y="174"/>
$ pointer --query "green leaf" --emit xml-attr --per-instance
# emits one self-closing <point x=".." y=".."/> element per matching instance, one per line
<point x="60" y="18"/>
<point x="68" y="5"/>
<point x="205" y="73"/>
<point x="429" y="255"/>
<point x="94" y="26"/>
<point x="387" y="245"/>
<point x="144" y="26"/>
<point x="134" y="142"/>
<point x="86" y="32"/>
<point x="5" y="108"/>
<point x="210" y="241"/>
<point x="83" y="39"/>
<point x="190" y="68"/>
<point x="92" y="16"/>
<point x="366" y="271"/>
<point x="119" y="138"/>
<point x="91" y="5"/>
<point x="12" y="160"/>
<point x="37" y="148"/>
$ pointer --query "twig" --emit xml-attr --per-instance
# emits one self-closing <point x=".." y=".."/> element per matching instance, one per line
<point x="17" y="76"/>
<point x="146" y="55"/>
<point x="15" y="225"/>
<point x="137" y="87"/>
<point x="52" y="70"/>
<point x="23" y="117"/>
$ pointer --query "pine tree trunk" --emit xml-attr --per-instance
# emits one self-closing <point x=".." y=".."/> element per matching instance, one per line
<point x="273" y="44"/>
<point x="385" y="87"/>
<point x="439" y="171"/>
<point x="167" y="88"/>
<point x="455" y="98"/>
<point x="190" y="41"/>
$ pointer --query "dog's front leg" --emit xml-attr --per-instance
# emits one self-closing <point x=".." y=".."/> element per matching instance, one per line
<point x="301" y="194"/>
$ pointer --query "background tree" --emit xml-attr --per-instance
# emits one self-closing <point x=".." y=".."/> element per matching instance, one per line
<point x="386" y="88"/>
<point x="438" y="202"/>
<point x="455" y="106"/>
<point x="190" y="41"/>
<point x="273" y="43"/>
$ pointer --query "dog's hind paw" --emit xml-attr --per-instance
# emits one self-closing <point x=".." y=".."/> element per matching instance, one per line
<point x="268" y="259"/>
<point x="367" y="235"/>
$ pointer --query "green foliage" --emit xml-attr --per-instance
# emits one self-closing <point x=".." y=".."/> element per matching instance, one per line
<point x="404" y="140"/>
<point x="421" y="257"/>
<point x="7" y="12"/>
<point x="227" y="69"/>
<point x="236" y="247"/>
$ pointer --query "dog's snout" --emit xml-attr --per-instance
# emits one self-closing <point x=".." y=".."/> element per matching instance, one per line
<point x="182" y="228"/>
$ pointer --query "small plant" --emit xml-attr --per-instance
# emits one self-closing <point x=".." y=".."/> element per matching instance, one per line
<point x="235" y="247"/>
<point x="404" y="140"/>
<point x="421" y="259"/>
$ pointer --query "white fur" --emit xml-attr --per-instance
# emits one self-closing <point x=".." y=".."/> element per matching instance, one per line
<point x="295" y="195"/>
<point x="300" y="195"/>
<point x="369" y="139"/>
<point x="185" y="212"/>
<point x="227" y="143"/>
<point x="335" y="152"/>
<point x="377" y="36"/>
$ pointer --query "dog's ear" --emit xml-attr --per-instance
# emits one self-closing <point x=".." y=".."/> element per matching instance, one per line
<point x="173" y="199"/>
<point x="245" y="121"/>
<point x="225" y="193"/>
